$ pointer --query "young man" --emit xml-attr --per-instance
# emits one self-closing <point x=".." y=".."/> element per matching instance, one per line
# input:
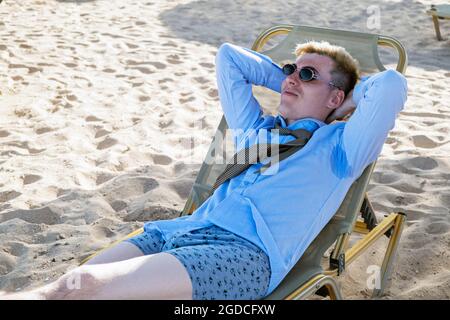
<point x="256" y="225"/>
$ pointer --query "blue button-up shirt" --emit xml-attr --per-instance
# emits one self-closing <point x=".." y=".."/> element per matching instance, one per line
<point x="283" y="209"/>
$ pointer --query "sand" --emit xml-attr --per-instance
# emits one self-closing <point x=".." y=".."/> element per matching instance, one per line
<point x="101" y="100"/>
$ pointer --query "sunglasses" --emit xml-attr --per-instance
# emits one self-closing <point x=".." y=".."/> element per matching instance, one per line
<point x="305" y="74"/>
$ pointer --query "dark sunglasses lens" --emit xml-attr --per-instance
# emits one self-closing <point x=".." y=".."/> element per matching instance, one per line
<point x="306" y="74"/>
<point x="288" y="69"/>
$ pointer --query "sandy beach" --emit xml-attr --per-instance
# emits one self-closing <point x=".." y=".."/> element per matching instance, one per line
<point x="100" y="102"/>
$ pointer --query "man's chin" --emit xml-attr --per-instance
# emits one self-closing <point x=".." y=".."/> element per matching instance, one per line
<point x="282" y="110"/>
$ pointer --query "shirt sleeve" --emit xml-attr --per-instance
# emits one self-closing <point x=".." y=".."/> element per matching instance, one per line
<point x="237" y="69"/>
<point x="379" y="99"/>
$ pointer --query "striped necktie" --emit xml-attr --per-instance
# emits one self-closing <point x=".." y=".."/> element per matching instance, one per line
<point x="243" y="159"/>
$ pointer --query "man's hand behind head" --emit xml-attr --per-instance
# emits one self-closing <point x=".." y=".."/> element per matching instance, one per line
<point x="348" y="106"/>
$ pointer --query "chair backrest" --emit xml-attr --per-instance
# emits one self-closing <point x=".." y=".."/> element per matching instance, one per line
<point x="364" y="48"/>
<point x="440" y="10"/>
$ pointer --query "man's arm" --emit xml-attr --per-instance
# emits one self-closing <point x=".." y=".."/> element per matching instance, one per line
<point x="379" y="99"/>
<point x="237" y="69"/>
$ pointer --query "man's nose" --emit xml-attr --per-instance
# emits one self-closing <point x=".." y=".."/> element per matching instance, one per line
<point x="293" y="79"/>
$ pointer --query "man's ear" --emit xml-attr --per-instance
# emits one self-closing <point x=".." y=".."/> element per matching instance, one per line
<point x="336" y="99"/>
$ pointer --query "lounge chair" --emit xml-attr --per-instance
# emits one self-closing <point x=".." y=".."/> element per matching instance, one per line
<point x="308" y="276"/>
<point x="439" y="12"/>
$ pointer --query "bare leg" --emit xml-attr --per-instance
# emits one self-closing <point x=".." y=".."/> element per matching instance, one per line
<point x="158" y="276"/>
<point x="121" y="251"/>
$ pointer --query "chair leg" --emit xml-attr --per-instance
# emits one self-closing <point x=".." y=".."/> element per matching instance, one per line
<point x="315" y="284"/>
<point x="333" y="290"/>
<point x="390" y="255"/>
<point x="436" y="28"/>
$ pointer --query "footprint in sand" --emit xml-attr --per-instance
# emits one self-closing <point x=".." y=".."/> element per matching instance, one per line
<point x="182" y="187"/>
<point x="213" y="93"/>
<point x="109" y="70"/>
<point x="31" y="178"/>
<point x="106" y="143"/>
<point x="102" y="132"/>
<point x="103" y="177"/>
<point x="131" y="63"/>
<point x="201" y="80"/>
<point x="407" y="188"/>
<point x="156" y="212"/>
<point x="165" y="80"/>
<point x="44" y="130"/>
<point x="144" y="98"/>
<point x="124" y="187"/>
<point x="70" y="65"/>
<point x="437" y="227"/>
<point x="158" y="65"/>
<point x="16" y="249"/>
<point x="8" y="195"/>
<point x="25" y="46"/>
<point x="67" y="94"/>
<point x="423" y="163"/>
<point x="186" y="100"/>
<point x="174" y="59"/>
<point x="4" y="133"/>
<point x="101" y="232"/>
<point x="17" y="78"/>
<point x="42" y="215"/>
<point x="384" y="178"/>
<point x="92" y="118"/>
<point x="24" y="145"/>
<point x="161" y="159"/>
<point x="131" y="46"/>
<point x="390" y="140"/>
<point x="422" y="141"/>
<point x="165" y="123"/>
<point x="143" y="70"/>
<point x="60" y="192"/>
<point x="118" y="205"/>
<point x="207" y="65"/>
<point x="31" y="70"/>
<point x="166" y="44"/>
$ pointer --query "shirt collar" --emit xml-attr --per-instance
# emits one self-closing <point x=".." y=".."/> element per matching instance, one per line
<point x="309" y="124"/>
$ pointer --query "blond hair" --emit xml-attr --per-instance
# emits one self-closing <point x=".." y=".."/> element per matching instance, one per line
<point x="345" y="73"/>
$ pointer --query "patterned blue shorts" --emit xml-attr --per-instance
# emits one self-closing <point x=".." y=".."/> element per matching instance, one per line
<point x="221" y="264"/>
